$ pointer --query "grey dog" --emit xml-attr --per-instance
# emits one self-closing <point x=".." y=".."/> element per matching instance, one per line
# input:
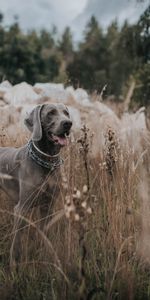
<point x="31" y="173"/>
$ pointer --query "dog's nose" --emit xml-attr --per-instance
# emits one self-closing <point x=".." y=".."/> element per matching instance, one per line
<point x="67" y="125"/>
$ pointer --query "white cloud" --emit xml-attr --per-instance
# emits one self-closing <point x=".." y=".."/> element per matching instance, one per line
<point x="75" y="13"/>
<point x="108" y="10"/>
<point x="41" y="13"/>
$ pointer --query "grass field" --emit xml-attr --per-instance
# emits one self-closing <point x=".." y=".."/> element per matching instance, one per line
<point x="97" y="245"/>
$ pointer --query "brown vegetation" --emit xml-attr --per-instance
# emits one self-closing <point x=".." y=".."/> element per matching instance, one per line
<point x="97" y="242"/>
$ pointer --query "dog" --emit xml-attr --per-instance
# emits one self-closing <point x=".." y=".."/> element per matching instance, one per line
<point x="32" y="172"/>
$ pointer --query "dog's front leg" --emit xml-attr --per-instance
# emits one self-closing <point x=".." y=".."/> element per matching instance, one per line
<point x="27" y="197"/>
<point x="16" y="242"/>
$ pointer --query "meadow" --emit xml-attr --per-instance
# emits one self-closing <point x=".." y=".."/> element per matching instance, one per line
<point x="97" y="243"/>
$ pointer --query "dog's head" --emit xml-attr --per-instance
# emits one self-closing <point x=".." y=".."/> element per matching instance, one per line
<point x="51" y="120"/>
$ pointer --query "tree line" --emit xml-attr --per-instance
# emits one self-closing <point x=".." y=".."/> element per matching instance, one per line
<point x="113" y="57"/>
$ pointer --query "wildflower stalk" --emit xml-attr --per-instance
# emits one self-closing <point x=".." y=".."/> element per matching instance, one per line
<point x="83" y="251"/>
<point x="111" y="152"/>
<point x="85" y="150"/>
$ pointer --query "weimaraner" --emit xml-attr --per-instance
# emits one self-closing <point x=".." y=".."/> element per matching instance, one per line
<point x="34" y="168"/>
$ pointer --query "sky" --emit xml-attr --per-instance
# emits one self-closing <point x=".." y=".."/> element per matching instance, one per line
<point x="38" y="14"/>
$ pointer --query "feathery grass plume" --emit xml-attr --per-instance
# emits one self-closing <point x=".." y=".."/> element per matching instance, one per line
<point x="84" y="150"/>
<point x="111" y="151"/>
<point x="77" y="210"/>
<point x="84" y="210"/>
<point x="5" y="176"/>
<point x="103" y="251"/>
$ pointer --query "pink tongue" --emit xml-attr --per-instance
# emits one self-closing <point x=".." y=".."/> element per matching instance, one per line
<point x="62" y="141"/>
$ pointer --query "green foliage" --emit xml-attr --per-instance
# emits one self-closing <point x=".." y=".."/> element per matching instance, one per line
<point x="89" y="67"/>
<point x="109" y="57"/>
<point x="66" y="43"/>
<point x="27" y="57"/>
<point x="113" y="57"/>
<point x="142" y="93"/>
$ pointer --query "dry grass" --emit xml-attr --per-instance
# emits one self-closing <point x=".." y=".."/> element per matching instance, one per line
<point x="97" y="242"/>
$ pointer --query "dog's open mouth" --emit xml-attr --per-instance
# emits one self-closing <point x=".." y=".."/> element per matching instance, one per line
<point x="61" y="139"/>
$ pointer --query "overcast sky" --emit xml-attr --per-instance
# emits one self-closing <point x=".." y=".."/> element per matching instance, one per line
<point x="36" y="14"/>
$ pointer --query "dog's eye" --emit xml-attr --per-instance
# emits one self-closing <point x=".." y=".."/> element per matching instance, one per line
<point x="51" y="113"/>
<point x="66" y="113"/>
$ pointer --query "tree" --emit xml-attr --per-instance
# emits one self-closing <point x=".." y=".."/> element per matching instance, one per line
<point x="142" y="92"/>
<point x="1" y="18"/>
<point x="28" y="57"/>
<point x="46" y="39"/>
<point x="66" y="43"/>
<point x="109" y="57"/>
<point x="142" y="75"/>
<point x="123" y="57"/>
<point x="144" y="31"/>
<point x="89" y="67"/>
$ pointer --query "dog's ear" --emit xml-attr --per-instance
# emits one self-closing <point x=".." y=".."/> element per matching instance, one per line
<point x="33" y="123"/>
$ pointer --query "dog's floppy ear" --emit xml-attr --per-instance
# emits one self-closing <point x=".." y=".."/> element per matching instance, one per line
<point x="33" y="123"/>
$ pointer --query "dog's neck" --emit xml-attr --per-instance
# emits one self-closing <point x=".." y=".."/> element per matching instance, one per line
<point x="50" y="162"/>
<point x="48" y="147"/>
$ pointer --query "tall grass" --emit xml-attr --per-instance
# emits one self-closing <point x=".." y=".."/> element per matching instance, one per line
<point x="97" y="241"/>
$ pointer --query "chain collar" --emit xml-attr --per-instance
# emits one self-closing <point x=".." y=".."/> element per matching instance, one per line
<point x="43" y="159"/>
